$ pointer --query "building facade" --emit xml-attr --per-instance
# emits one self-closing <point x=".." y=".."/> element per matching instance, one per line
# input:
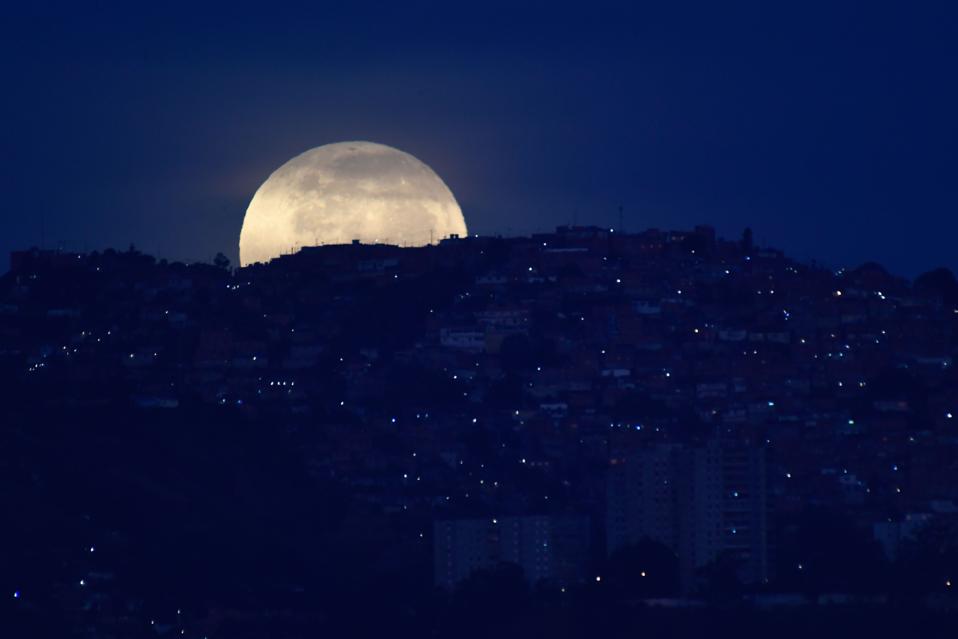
<point x="703" y="502"/>
<point x="546" y="548"/>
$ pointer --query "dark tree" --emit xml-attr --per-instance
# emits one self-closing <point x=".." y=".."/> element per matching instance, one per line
<point x="645" y="569"/>
<point x="929" y="562"/>
<point x="486" y="599"/>
<point x="719" y="579"/>
<point x="221" y="261"/>
<point x="832" y="554"/>
<point x="940" y="284"/>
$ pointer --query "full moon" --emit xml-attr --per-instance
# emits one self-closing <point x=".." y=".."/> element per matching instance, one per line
<point x="337" y="193"/>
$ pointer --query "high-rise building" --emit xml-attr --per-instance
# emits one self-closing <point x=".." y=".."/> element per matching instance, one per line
<point x="546" y="548"/>
<point x="641" y="498"/>
<point x="703" y="502"/>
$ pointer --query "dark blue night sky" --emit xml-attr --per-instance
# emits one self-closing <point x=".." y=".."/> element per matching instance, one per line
<point x="830" y="129"/>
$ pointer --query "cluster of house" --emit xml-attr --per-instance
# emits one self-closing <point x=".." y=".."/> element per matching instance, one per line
<point x="540" y="400"/>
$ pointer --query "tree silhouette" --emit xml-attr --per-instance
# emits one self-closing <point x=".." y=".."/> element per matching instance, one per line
<point x="644" y="569"/>
<point x="939" y="283"/>
<point x="221" y="261"/>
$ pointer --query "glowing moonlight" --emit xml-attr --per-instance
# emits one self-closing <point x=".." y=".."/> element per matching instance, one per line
<point x="337" y="193"/>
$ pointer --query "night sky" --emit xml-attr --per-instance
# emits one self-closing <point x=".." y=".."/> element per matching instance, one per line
<point x="829" y="129"/>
